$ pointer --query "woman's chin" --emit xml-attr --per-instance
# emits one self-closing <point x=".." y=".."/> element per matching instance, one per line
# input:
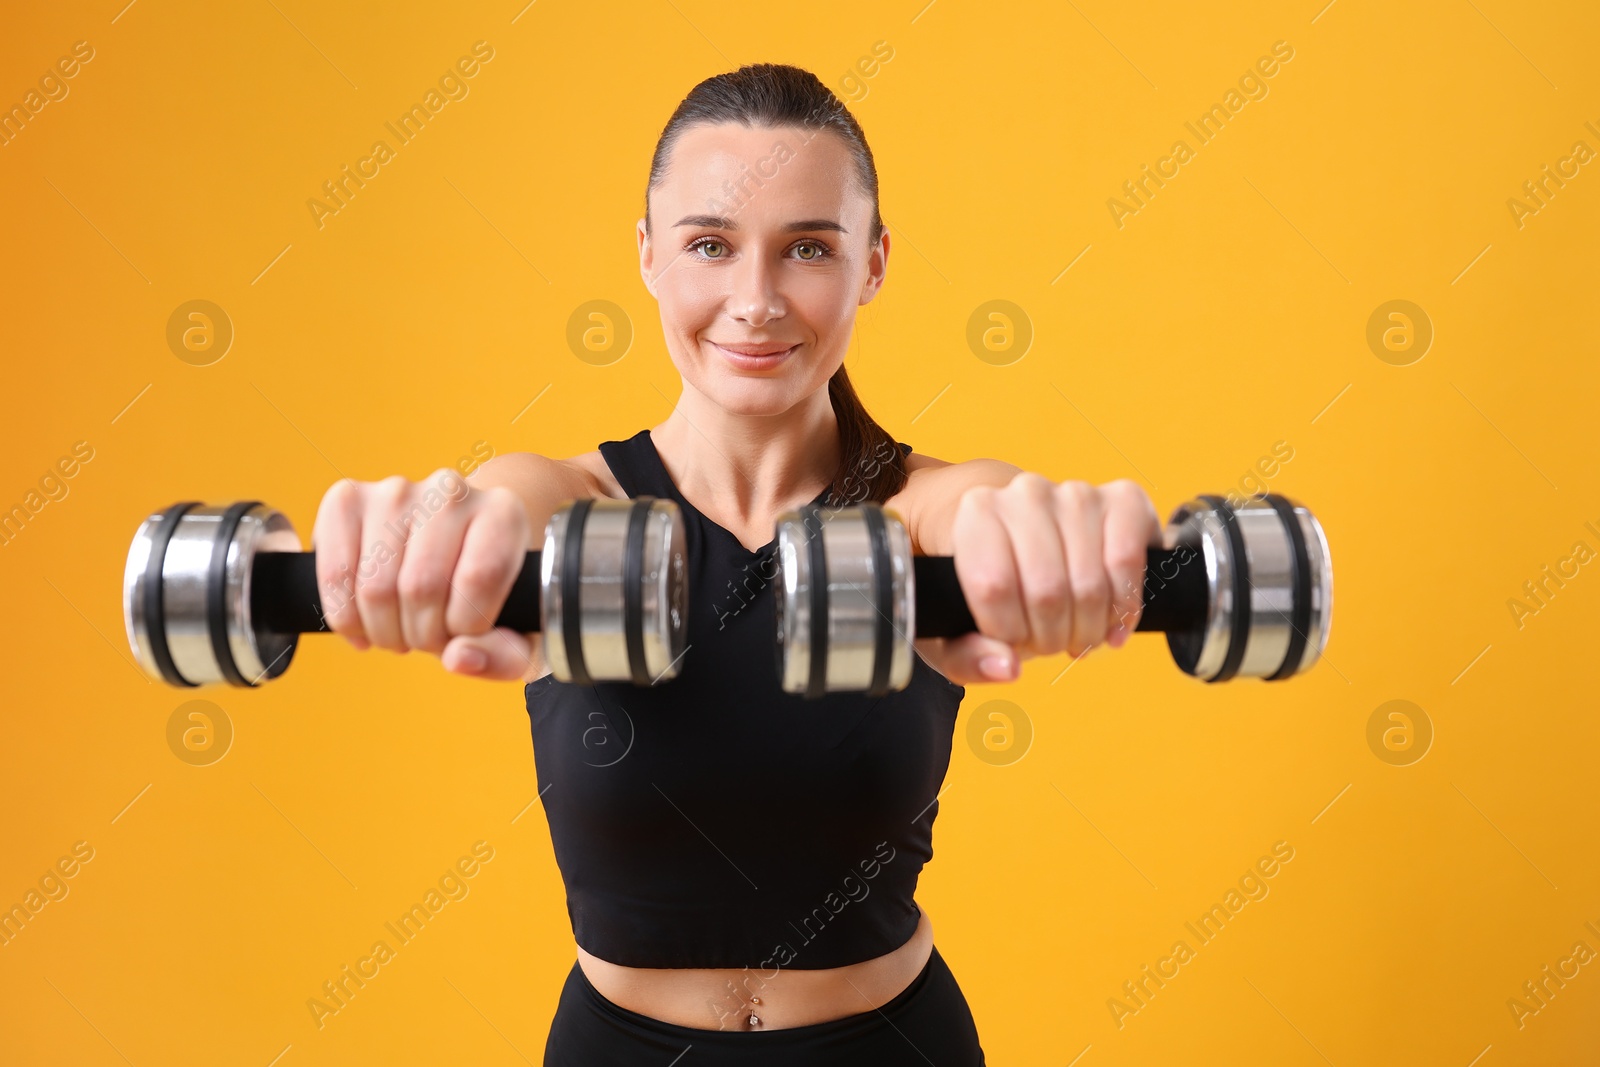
<point x="751" y="396"/>
<point x="754" y="406"/>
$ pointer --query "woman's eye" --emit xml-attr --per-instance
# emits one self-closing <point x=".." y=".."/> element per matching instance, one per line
<point x="712" y="248"/>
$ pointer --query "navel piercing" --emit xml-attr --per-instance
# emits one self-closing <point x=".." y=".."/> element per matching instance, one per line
<point x="755" y="1000"/>
<point x="755" y="1020"/>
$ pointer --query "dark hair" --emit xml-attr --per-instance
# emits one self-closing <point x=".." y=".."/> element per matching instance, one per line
<point x="871" y="464"/>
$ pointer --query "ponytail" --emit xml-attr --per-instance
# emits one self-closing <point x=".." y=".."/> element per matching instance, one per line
<point x="871" y="463"/>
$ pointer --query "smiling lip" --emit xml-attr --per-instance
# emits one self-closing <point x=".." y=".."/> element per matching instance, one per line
<point x="754" y="356"/>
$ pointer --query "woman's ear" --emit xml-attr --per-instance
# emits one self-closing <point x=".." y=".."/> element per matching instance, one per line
<point x="646" y="258"/>
<point x="877" y="268"/>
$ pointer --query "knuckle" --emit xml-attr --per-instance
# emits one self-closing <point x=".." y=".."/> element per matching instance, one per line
<point x="449" y="483"/>
<point x="1123" y="488"/>
<point x="340" y="506"/>
<point x="391" y="491"/>
<point x="1077" y="494"/>
<point x="987" y="587"/>
<point x="1125" y="555"/>
<point x="1094" y="594"/>
<point x="378" y="590"/>
<point x="1051" y="595"/>
<point x="1130" y="494"/>
<point x="501" y="502"/>
<point x="343" y="494"/>
<point x="502" y="515"/>
<point x="480" y="572"/>
<point x="978" y="496"/>
<point x="1030" y="483"/>
<point x="419" y="583"/>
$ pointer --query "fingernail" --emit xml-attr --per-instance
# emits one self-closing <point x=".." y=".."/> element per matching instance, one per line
<point x="996" y="667"/>
<point x="1117" y="636"/>
<point x="471" y="661"/>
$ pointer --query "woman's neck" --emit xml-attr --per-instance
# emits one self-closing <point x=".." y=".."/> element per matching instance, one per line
<point x="748" y="467"/>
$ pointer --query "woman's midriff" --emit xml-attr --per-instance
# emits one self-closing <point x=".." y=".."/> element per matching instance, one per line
<point x="726" y="998"/>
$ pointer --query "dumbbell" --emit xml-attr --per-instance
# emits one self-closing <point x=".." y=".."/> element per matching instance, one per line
<point x="215" y="593"/>
<point x="1240" y="591"/>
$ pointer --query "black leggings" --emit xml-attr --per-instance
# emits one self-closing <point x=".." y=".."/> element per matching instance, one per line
<point x="927" y="1022"/>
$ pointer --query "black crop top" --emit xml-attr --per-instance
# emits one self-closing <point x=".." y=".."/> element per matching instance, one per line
<point x="714" y="820"/>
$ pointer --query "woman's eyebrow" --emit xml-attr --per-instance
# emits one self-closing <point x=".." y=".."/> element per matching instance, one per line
<point x="723" y="222"/>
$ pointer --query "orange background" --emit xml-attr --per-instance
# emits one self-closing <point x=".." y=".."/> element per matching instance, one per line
<point x="1228" y="314"/>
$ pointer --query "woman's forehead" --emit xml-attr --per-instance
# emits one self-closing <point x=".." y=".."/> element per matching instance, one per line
<point x="758" y="173"/>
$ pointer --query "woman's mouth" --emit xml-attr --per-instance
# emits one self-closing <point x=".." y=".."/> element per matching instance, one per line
<point x="755" y="357"/>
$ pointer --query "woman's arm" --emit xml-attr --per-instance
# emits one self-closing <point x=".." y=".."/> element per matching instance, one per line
<point x="927" y="504"/>
<point x="542" y="484"/>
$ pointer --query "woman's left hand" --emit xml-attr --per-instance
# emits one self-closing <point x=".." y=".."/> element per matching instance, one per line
<point x="1045" y="567"/>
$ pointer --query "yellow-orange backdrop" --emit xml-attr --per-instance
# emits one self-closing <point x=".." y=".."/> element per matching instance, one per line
<point x="1179" y="339"/>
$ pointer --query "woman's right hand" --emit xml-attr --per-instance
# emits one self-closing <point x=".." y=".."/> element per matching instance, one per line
<point x="424" y="565"/>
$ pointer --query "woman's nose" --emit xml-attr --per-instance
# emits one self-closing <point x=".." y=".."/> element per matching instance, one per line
<point x="755" y="297"/>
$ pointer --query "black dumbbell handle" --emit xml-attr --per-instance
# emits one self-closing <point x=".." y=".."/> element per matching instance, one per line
<point x="1175" y="594"/>
<point x="284" y="597"/>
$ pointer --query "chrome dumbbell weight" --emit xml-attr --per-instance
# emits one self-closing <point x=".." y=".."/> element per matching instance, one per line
<point x="214" y="593"/>
<point x="1243" y="591"/>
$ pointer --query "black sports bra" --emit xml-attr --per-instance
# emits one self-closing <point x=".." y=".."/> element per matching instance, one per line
<point x="714" y="820"/>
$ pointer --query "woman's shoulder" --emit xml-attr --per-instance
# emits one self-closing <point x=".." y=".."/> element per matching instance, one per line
<point x="917" y="461"/>
<point x="593" y="464"/>
<point x="586" y="474"/>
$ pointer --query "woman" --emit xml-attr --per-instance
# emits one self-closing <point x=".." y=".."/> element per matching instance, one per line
<point x="740" y="862"/>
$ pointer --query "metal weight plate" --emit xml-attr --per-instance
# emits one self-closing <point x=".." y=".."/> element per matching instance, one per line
<point x="844" y="599"/>
<point x="613" y="601"/>
<point x="186" y="594"/>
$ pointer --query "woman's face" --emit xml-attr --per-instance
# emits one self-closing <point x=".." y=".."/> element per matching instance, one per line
<point x="759" y="245"/>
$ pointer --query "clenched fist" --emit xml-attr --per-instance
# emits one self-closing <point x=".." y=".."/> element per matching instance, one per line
<point x="1045" y="567"/>
<point x="425" y="565"/>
